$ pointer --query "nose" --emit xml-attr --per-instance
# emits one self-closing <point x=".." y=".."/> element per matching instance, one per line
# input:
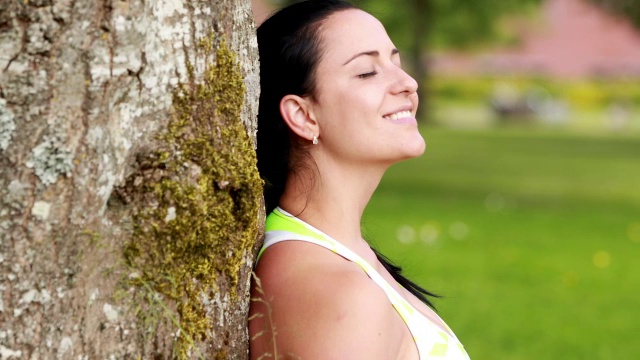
<point x="403" y="82"/>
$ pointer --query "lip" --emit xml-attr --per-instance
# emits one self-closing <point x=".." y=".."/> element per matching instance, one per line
<point x="405" y="120"/>
<point x="408" y="120"/>
<point x="408" y="107"/>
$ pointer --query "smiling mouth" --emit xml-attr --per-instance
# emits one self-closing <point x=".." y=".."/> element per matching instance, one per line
<point x="399" y="115"/>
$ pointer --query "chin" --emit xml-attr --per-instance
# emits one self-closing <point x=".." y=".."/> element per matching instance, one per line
<point x="412" y="150"/>
<point x="416" y="148"/>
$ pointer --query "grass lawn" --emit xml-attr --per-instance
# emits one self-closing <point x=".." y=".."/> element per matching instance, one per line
<point x="532" y="237"/>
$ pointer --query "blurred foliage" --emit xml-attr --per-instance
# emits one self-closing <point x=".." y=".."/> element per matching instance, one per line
<point x="461" y="24"/>
<point x="465" y="24"/>
<point x="450" y="23"/>
<point x="626" y="8"/>
<point x="585" y="94"/>
<point x="595" y="106"/>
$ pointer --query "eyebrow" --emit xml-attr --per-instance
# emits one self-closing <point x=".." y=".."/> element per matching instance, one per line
<point x="370" y="53"/>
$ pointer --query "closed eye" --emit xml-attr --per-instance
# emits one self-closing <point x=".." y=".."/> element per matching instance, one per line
<point x="367" y="75"/>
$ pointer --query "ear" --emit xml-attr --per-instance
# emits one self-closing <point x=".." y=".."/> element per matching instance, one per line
<point x="298" y="114"/>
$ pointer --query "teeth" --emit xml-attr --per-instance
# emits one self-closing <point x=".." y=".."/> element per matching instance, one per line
<point x="399" y="115"/>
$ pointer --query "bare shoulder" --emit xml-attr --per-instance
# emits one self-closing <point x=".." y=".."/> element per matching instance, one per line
<point x="321" y="307"/>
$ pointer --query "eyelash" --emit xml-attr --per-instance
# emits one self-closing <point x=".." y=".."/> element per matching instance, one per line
<point x="367" y="75"/>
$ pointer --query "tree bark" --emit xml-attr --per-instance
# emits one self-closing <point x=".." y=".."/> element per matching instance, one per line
<point x="130" y="201"/>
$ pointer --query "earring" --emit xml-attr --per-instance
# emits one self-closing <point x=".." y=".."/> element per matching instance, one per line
<point x="315" y="140"/>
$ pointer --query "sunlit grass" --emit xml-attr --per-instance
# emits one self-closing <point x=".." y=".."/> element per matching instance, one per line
<point x="533" y="237"/>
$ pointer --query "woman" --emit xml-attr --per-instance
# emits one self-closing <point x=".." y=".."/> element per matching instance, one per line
<point x="336" y="110"/>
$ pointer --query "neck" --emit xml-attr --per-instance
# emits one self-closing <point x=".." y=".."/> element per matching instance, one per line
<point x="332" y="197"/>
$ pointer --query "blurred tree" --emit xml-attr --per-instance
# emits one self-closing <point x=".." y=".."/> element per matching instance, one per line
<point x="626" y="8"/>
<point x="420" y="29"/>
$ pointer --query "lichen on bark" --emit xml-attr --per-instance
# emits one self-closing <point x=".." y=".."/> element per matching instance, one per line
<point x="7" y="125"/>
<point x="203" y="194"/>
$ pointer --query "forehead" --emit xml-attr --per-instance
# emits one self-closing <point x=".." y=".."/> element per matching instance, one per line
<point x="352" y="31"/>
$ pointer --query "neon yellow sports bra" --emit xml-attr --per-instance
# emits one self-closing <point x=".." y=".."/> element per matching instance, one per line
<point x="432" y="342"/>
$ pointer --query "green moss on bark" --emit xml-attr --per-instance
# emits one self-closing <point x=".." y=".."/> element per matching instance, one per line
<point x="203" y="194"/>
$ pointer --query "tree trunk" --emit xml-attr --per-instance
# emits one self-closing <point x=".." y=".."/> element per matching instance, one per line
<point x="629" y="9"/>
<point x="421" y="10"/>
<point x="130" y="201"/>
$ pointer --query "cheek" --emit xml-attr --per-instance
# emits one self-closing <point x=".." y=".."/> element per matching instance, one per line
<point x="348" y="107"/>
<point x="363" y="101"/>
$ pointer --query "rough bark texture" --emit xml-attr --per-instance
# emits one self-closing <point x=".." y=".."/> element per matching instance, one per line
<point x="129" y="195"/>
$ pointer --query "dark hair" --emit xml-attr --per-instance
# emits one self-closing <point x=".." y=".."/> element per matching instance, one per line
<point x="289" y="46"/>
<point x="290" y="49"/>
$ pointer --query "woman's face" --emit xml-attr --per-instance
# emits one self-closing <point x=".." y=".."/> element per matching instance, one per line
<point x="364" y="102"/>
